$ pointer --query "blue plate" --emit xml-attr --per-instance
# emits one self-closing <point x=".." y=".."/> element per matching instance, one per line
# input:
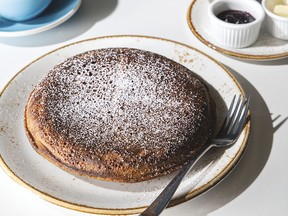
<point x="58" y="12"/>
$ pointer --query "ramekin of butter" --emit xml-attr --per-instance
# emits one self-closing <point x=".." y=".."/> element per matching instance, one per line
<point x="235" y="23"/>
<point x="277" y="18"/>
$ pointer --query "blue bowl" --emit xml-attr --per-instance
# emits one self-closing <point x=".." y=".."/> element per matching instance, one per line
<point x="22" y="10"/>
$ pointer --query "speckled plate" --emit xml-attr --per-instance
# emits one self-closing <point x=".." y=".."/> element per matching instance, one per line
<point x="265" y="48"/>
<point x="26" y="167"/>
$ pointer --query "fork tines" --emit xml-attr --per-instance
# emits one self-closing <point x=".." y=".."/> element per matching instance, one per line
<point x="237" y="115"/>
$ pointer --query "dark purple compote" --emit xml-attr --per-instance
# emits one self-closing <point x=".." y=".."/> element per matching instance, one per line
<point x="236" y="17"/>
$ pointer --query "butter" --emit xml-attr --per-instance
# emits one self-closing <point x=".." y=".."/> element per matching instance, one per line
<point x="281" y="10"/>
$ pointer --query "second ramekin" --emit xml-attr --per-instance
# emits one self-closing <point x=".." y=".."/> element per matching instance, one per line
<point x="276" y="25"/>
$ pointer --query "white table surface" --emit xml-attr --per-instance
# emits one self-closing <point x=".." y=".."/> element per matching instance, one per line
<point x="257" y="186"/>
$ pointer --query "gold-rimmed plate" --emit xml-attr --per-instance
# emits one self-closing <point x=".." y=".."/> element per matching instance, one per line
<point x="265" y="48"/>
<point x="25" y="166"/>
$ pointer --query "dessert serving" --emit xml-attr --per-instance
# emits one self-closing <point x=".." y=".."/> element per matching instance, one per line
<point x="120" y="114"/>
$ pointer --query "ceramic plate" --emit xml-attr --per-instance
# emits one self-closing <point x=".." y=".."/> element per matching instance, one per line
<point x="57" y="13"/>
<point x="265" y="48"/>
<point x="25" y="166"/>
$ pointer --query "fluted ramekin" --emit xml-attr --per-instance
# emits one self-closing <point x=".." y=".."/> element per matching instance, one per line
<point x="232" y="35"/>
<point x="276" y="25"/>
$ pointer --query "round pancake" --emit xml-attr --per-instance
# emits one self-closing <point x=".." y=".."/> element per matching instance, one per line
<point x="120" y="114"/>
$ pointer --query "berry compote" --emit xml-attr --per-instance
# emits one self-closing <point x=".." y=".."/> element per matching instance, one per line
<point x="236" y="17"/>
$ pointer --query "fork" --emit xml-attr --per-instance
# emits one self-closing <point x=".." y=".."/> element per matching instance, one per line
<point x="228" y="134"/>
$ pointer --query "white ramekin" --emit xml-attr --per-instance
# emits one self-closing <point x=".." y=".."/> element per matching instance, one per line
<point x="235" y="35"/>
<point x="276" y="25"/>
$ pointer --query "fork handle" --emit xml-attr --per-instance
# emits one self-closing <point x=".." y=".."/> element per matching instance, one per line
<point x="160" y="203"/>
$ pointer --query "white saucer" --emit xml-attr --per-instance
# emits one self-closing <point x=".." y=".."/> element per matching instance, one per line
<point x="57" y="13"/>
<point x="265" y="48"/>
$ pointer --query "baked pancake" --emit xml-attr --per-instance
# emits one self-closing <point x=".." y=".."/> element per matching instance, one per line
<point x="120" y="114"/>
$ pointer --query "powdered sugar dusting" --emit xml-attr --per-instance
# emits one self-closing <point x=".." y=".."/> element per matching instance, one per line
<point x="128" y="101"/>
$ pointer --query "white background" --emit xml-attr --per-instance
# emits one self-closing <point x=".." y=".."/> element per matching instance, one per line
<point x="257" y="186"/>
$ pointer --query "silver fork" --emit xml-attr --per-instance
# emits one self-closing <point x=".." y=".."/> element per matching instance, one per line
<point x="228" y="134"/>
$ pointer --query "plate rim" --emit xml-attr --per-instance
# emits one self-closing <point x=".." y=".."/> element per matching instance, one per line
<point x="128" y="211"/>
<point x="226" y="51"/>
<point x="45" y="27"/>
